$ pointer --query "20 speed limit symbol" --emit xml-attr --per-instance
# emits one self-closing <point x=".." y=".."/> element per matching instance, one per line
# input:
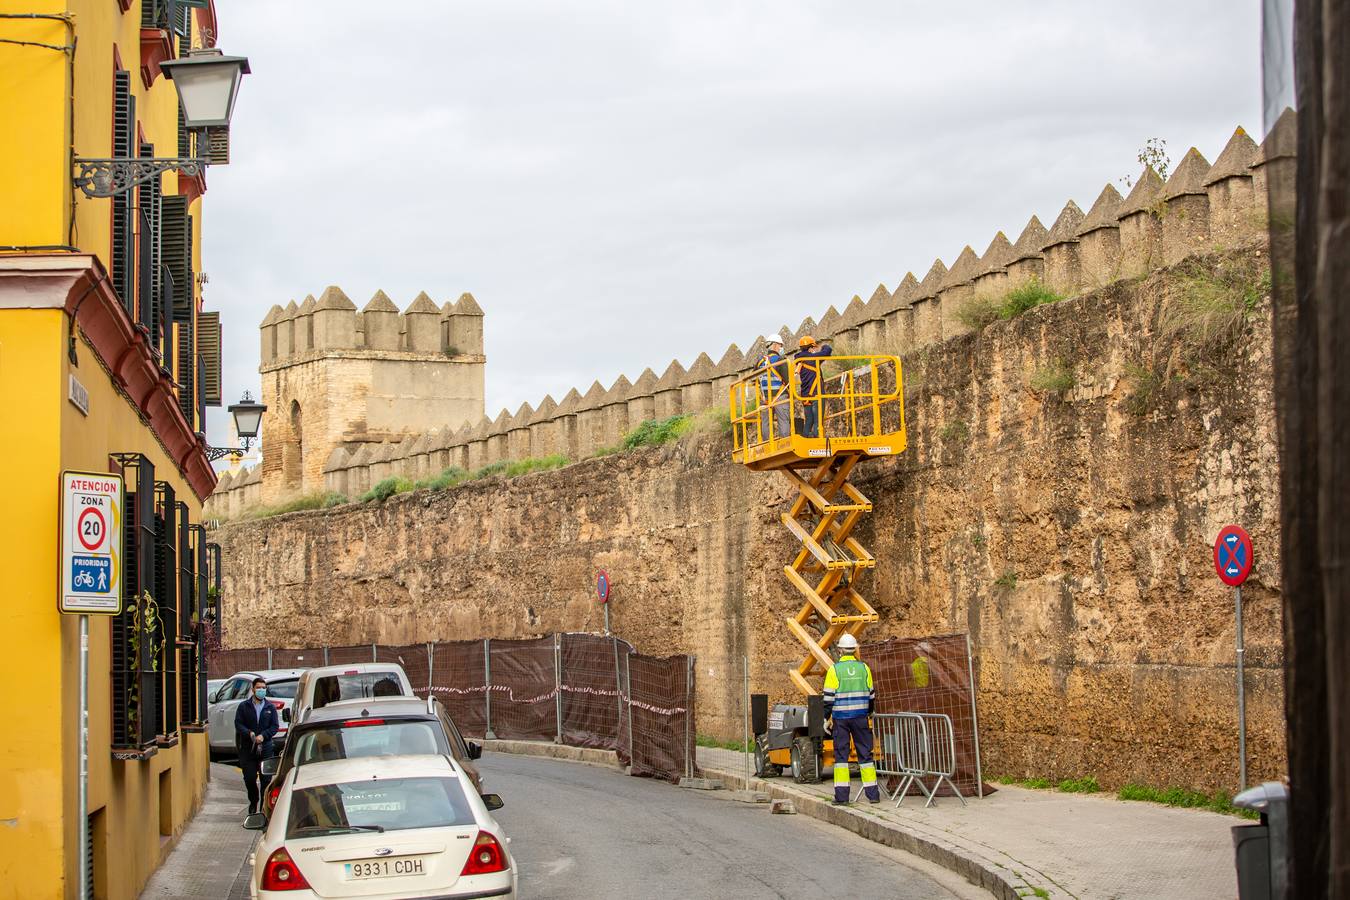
<point x="91" y="528"/>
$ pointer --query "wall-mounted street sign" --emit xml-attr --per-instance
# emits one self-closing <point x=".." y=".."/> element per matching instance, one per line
<point x="602" y="586"/>
<point x="91" y="543"/>
<point x="1233" y="555"/>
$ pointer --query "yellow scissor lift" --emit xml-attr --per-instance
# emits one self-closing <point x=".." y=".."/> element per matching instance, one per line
<point x="859" y="403"/>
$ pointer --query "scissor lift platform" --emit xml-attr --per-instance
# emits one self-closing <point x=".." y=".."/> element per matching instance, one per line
<point x="859" y="413"/>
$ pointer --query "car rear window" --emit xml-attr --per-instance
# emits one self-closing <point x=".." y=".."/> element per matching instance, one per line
<point x="356" y="686"/>
<point x="385" y="804"/>
<point x="385" y="738"/>
<point x="282" y="690"/>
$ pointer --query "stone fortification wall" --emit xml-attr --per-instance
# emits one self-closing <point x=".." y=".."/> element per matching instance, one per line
<point x="335" y="379"/>
<point x="1067" y="473"/>
<point x="1200" y="208"/>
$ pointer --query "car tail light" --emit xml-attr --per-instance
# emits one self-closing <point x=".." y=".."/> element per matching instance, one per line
<point x="485" y="857"/>
<point x="357" y="723"/>
<point x="272" y="795"/>
<point x="281" y="874"/>
<point x="278" y="704"/>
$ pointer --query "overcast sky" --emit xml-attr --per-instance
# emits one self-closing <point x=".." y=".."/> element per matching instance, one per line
<point x="623" y="183"/>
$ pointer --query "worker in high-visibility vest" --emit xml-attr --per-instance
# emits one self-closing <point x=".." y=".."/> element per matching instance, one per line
<point x="775" y="417"/>
<point x="849" y="697"/>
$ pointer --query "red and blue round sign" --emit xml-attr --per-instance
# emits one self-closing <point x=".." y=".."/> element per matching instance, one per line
<point x="602" y="586"/>
<point x="1233" y="555"/>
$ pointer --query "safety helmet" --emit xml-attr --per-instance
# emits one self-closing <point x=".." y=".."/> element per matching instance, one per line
<point x="773" y="337"/>
<point x="806" y="341"/>
<point x="848" y="642"/>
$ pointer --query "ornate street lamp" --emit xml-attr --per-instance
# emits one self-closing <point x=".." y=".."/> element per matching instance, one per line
<point x="208" y="83"/>
<point x="247" y="420"/>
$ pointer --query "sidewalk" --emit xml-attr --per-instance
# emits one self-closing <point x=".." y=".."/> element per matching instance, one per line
<point x="1020" y="842"/>
<point x="211" y="859"/>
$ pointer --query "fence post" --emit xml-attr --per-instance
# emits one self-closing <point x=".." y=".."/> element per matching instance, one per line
<point x="431" y="662"/>
<point x="374" y="653"/>
<point x="628" y="693"/>
<point x="325" y="654"/>
<point x="269" y="657"/>
<point x="487" y="694"/>
<point x="618" y="690"/>
<point x="557" y="683"/>
<point x="688" y="713"/>
<point x="974" y="719"/>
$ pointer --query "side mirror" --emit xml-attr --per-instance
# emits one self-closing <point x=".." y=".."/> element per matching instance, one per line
<point x="256" y="822"/>
<point x="475" y="750"/>
<point x="286" y="714"/>
<point x="491" y="801"/>
<point x="270" y="765"/>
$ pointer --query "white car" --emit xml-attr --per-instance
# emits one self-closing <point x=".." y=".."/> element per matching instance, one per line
<point x="381" y="828"/>
<point x="222" y="703"/>
<point x="323" y="685"/>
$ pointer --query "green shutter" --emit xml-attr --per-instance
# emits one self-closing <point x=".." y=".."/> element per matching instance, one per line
<point x="208" y="350"/>
<point x="123" y="231"/>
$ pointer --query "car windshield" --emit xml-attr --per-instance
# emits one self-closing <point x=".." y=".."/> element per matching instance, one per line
<point x="392" y="804"/>
<point x="281" y="690"/>
<point x="368" y="737"/>
<point x="356" y="686"/>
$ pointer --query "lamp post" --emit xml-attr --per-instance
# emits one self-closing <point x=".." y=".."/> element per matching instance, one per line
<point x="208" y="83"/>
<point x="247" y="420"/>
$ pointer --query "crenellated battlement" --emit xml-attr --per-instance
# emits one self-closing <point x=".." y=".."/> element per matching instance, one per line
<point x="332" y="325"/>
<point x="1198" y="209"/>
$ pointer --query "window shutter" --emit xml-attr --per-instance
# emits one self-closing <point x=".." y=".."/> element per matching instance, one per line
<point x="150" y="198"/>
<point x="124" y="135"/>
<point x="135" y="707"/>
<point x="177" y="248"/>
<point x="165" y="593"/>
<point x="208" y="351"/>
<point x="150" y="13"/>
<point x="184" y="136"/>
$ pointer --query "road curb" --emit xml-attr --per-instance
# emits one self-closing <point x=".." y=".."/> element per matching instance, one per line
<point x="999" y="882"/>
<point x="588" y="755"/>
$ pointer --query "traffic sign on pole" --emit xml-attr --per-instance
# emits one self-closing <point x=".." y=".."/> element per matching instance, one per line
<point x="91" y="543"/>
<point x="602" y="586"/>
<point x="1233" y="555"/>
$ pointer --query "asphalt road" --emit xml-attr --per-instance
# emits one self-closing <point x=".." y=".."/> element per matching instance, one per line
<point x="580" y="831"/>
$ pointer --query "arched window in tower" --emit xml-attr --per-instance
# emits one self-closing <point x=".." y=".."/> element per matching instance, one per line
<point x="293" y="451"/>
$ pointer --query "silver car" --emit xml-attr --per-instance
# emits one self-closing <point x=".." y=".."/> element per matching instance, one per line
<point x="222" y="703"/>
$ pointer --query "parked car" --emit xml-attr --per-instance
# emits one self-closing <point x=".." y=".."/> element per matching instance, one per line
<point x="323" y="685"/>
<point x="381" y="726"/>
<point x="213" y="685"/>
<point x="222" y="703"/>
<point x="402" y="826"/>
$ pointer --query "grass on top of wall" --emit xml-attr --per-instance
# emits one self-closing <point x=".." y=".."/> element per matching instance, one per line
<point x="316" y="500"/>
<point x="978" y="312"/>
<point x="455" y="476"/>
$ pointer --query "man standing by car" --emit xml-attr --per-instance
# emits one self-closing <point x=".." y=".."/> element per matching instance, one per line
<point x="255" y="724"/>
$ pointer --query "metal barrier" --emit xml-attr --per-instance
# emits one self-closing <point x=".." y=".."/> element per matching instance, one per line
<point x="912" y="747"/>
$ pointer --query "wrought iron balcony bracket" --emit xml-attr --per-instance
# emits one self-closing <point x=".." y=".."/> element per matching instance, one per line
<point x="110" y="177"/>
<point x="215" y="453"/>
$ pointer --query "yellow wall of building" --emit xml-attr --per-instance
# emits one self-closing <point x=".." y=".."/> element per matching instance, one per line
<point x="34" y="158"/>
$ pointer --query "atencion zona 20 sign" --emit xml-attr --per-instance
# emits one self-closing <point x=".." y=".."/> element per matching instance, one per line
<point x="91" y="543"/>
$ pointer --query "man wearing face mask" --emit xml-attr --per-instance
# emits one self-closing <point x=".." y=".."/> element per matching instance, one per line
<point x="255" y="724"/>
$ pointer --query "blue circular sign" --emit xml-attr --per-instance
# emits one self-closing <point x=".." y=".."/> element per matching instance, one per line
<point x="1233" y="555"/>
<point x="602" y="586"/>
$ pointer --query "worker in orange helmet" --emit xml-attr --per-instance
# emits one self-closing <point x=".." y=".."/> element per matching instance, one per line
<point x="809" y="354"/>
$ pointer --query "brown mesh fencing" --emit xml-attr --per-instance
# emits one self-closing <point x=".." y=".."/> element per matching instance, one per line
<point x="415" y="662"/>
<point x="662" y="707"/>
<point x="459" y="680"/>
<point x="592" y="695"/>
<point x="931" y="675"/>
<point x="586" y="690"/>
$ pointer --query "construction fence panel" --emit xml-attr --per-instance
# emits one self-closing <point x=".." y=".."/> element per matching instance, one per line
<point x="523" y="686"/>
<point x="224" y="663"/>
<point x="344" y="656"/>
<point x="592" y="699"/>
<point x="459" y="680"/>
<point x="661" y="707"/>
<point x="413" y="659"/>
<point x="289" y="658"/>
<point x="931" y="675"/>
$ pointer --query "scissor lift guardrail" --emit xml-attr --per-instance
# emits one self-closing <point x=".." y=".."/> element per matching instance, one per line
<point x="858" y="402"/>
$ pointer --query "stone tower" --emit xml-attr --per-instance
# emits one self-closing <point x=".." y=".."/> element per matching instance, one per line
<point x="334" y="377"/>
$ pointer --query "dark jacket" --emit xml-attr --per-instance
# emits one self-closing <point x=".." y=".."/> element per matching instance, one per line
<point x="246" y="724"/>
<point x="808" y="367"/>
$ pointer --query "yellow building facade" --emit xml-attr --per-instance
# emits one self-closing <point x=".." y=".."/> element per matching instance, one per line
<point x="109" y="361"/>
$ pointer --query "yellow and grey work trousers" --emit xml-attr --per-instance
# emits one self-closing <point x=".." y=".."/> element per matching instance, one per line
<point x="859" y="731"/>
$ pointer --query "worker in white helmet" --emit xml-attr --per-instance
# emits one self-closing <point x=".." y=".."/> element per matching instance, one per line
<point x="849" y="698"/>
<point x="773" y="394"/>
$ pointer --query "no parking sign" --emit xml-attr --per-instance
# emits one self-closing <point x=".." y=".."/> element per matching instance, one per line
<point x="91" y="543"/>
<point x="1233" y="555"/>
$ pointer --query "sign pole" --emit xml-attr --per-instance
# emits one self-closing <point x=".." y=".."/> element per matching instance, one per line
<point x="1241" y="697"/>
<point x="82" y="791"/>
<point x="606" y="618"/>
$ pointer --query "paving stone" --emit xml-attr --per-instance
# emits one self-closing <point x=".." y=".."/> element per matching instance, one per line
<point x="211" y="859"/>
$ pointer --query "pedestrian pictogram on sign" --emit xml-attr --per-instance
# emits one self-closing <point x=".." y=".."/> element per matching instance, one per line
<point x="1233" y="555"/>
<point x="91" y="543"/>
